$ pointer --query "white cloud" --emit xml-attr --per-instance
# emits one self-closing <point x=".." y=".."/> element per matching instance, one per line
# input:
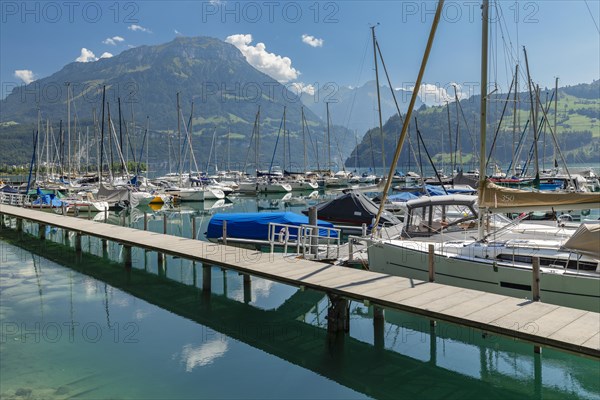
<point x="113" y="40"/>
<point x="177" y="32"/>
<point x="86" y="56"/>
<point x="135" y="28"/>
<point x="276" y="66"/>
<point x="299" y="87"/>
<point x="106" y="54"/>
<point x="25" y="75"/>
<point x="436" y="94"/>
<point x="312" y="41"/>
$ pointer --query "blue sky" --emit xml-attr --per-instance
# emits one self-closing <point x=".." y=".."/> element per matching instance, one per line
<point x="310" y="43"/>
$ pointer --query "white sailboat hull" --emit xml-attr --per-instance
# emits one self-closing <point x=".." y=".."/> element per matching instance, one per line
<point x="558" y="286"/>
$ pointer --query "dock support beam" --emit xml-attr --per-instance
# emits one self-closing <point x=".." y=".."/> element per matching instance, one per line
<point x="431" y="263"/>
<point x="338" y="315"/>
<point x="206" y="277"/>
<point x="378" y="327"/>
<point x="127" y="256"/>
<point x="247" y="289"/>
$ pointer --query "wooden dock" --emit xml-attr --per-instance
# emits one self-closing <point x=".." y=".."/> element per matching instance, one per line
<point x="542" y="324"/>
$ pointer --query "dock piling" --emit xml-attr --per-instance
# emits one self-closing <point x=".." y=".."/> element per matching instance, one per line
<point x="193" y="227"/>
<point x="165" y="224"/>
<point x="431" y="263"/>
<point x="127" y="256"/>
<point x="206" y="277"/>
<point x="338" y="315"/>
<point x="378" y="327"/>
<point x="314" y="238"/>
<point x="247" y="289"/>
<point x="145" y="221"/>
<point x="225" y="232"/>
<point x="78" y="243"/>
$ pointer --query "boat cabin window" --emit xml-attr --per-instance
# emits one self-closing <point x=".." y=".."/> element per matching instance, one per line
<point x="435" y="218"/>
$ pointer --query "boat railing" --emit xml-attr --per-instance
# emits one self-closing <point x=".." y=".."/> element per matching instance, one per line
<point x="320" y="242"/>
<point x="12" y="199"/>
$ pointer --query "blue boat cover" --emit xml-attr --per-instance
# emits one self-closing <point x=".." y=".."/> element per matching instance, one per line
<point x="256" y="225"/>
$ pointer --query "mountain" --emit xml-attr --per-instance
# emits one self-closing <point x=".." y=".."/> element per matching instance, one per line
<point x="577" y="133"/>
<point x="226" y="90"/>
<point x="356" y="108"/>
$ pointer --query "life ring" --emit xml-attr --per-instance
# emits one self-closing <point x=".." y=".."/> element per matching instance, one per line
<point x="282" y="234"/>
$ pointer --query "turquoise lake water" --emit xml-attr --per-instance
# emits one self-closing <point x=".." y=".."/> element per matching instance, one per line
<point x="88" y="328"/>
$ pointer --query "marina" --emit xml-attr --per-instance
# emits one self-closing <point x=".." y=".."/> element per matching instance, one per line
<point x="255" y="211"/>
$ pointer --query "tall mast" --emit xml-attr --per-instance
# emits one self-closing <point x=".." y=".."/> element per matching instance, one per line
<point x="120" y="127"/>
<point x="179" y="139"/>
<point x="413" y="99"/>
<point x="449" y="138"/>
<point x="303" y="139"/>
<point x="483" y="115"/>
<point x="328" y="139"/>
<point x="69" y="126"/>
<point x="284" y="141"/>
<point x="378" y="99"/>
<point x="555" y="114"/>
<point x="534" y="120"/>
<point x="190" y="133"/>
<point x="515" y="119"/>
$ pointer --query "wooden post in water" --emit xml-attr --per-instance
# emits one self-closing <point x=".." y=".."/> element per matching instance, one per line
<point x="105" y="214"/>
<point x="165" y="224"/>
<point x="19" y="225"/>
<point x="145" y="221"/>
<point x="378" y="327"/>
<point x="312" y="220"/>
<point x="206" y="277"/>
<point x="225" y="232"/>
<point x="431" y="263"/>
<point x="247" y="289"/>
<point x="42" y="231"/>
<point x="338" y="316"/>
<point x="104" y="247"/>
<point x="123" y="217"/>
<point x="127" y="256"/>
<point x="89" y="212"/>
<point x="535" y="284"/>
<point x="78" y="244"/>
<point x="193" y="227"/>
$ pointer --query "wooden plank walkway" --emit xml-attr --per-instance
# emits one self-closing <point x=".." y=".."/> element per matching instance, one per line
<point x="542" y="324"/>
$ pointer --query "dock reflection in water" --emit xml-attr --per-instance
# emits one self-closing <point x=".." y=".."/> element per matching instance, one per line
<point x="91" y="329"/>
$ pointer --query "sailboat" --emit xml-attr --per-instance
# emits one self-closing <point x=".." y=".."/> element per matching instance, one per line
<point x="500" y="261"/>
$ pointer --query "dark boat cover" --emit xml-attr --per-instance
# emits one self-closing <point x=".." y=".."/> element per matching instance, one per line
<point x="353" y="208"/>
<point x="256" y="225"/>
